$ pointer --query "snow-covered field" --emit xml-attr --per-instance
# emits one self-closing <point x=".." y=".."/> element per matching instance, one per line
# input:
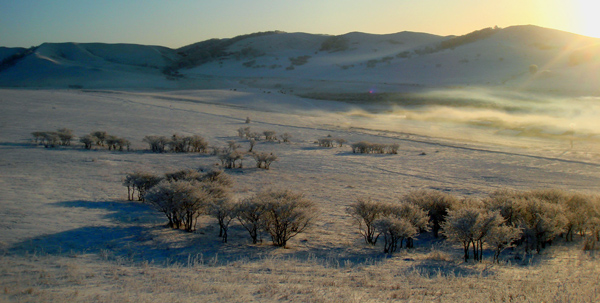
<point x="68" y="233"/>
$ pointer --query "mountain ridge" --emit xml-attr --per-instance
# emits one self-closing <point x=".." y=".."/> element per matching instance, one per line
<point x="524" y="56"/>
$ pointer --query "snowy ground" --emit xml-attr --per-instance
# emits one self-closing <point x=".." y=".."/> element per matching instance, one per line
<point x="69" y="235"/>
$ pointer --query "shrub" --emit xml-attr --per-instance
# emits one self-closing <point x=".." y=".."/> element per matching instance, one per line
<point x="65" y="135"/>
<point x="541" y="222"/>
<point x="364" y="147"/>
<point x="243" y="132"/>
<point x="141" y="182"/>
<point x="502" y="237"/>
<point x="286" y="137"/>
<point x="533" y="69"/>
<point x="412" y="214"/>
<point x="250" y="213"/>
<point x="88" y="141"/>
<point x="270" y="135"/>
<point x="394" y="231"/>
<point x="223" y="210"/>
<point x="286" y="214"/>
<point x="365" y="212"/>
<point x="340" y="141"/>
<point x="182" y="202"/>
<point x="335" y="44"/>
<point x="157" y="143"/>
<point x="471" y="226"/>
<point x="229" y="159"/>
<point x="100" y="137"/>
<point x="300" y="60"/>
<point x="544" y="214"/>
<point x="114" y="142"/>
<point x="435" y="203"/>
<point x="326" y="142"/>
<point x="252" y="142"/>
<point x="184" y="175"/>
<point x="197" y="144"/>
<point x="217" y="177"/>
<point x="264" y="160"/>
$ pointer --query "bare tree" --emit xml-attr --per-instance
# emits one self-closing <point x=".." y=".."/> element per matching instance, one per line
<point x="394" y="231"/>
<point x="65" y="135"/>
<point x="157" y="143"/>
<point x="224" y="211"/>
<point x="88" y="141"/>
<point x="264" y="160"/>
<point x="437" y="205"/>
<point x="270" y="135"/>
<point x="286" y="214"/>
<point x="182" y="202"/>
<point x="250" y="213"/>
<point x="365" y="212"/>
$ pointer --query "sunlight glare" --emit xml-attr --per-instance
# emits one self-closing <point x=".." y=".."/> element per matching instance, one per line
<point x="589" y="22"/>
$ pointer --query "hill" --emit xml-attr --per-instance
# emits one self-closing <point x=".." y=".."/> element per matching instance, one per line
<point x="518" y="57"/>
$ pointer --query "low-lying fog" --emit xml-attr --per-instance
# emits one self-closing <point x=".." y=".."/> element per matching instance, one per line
<point x="487" y="116"/>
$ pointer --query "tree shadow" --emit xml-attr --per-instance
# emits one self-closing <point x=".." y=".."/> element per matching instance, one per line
<point x="119" y="211"/>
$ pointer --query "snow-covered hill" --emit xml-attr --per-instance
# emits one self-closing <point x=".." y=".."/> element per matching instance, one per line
<point x="519" y="57"/>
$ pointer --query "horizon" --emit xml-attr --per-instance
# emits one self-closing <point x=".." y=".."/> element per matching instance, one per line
<point x="180" y="23"/>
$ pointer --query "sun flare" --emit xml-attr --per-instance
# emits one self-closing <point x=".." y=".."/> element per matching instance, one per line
<point x="588" y="22"/>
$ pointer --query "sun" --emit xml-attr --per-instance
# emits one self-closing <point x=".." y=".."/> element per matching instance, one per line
<point x="587" y="15"/>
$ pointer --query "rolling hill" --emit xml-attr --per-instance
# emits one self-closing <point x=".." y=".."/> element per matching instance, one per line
<point x="518" y="57"/>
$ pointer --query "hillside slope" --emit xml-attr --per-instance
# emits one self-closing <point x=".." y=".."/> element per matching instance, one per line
<point x="519" y="57"/>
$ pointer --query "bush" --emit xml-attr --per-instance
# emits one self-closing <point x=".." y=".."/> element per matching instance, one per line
<point x="264" y="160"/>
<point x="65" y="135"/>
<point x="435" y="203"/>
<point x="394" y="231"/>
<point x="335" y="44"/>
<point x="114" y="142"/>
<point x="52" y="139"/>
<point x="366" y="212"/>
<point x="412" y="214"/>
<point x="286" y="214"/>
<point x="100" y="136"/>
<point x="223" y="210"/>
<point x="250" y="213"/>
<point x="229" y="159"/>
<point x="544" y="214"/>
<point x="88" y="141"/>
<point x="364" y="147"/>
<point x="157" y="143"/>
<point x="141" y="182"/>
<point x="471" y="226"/>
<point x="270" y="135"/>
<point x="182" y="202"/>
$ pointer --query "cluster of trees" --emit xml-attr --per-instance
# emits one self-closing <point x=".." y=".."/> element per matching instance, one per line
<point x="364" y="147"/>
<point x="62" y="137"/>
<point x="183" y="196"/>
<point x="529" y="220"/>
<point x="269" y="135"/>
<point x="397" y="222"/>
<point x="177" y="144"/>
<point x="331" y="142"/>
<point x="101" y="138"/>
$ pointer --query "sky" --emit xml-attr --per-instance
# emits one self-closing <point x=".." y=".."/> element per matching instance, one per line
<point x="176" y="23"/>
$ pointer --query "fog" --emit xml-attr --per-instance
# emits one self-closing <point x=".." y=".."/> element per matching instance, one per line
<point x="487" y="115"/>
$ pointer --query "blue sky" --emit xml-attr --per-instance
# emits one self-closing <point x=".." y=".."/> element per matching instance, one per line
<point x="177" y="23"/>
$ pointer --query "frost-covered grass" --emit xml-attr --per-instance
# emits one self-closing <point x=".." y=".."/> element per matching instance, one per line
<point x="68" y="233"/>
